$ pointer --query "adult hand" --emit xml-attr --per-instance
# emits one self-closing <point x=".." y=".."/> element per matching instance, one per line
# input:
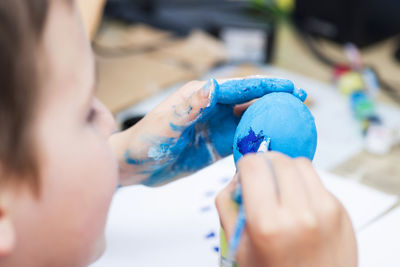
<point x="291" y="221"/>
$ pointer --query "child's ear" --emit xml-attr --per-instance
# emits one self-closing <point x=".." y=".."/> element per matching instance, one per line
<point x="7" y="230"/>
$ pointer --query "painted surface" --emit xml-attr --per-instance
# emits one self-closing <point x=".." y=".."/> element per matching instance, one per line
<point x="284" y="119"/>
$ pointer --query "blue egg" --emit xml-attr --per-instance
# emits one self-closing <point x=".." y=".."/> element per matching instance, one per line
<point x="282" y="118"/>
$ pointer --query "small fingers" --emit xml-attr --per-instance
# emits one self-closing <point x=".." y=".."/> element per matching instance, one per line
<point x="238" y="110"/>
<point x="192" y="102"/>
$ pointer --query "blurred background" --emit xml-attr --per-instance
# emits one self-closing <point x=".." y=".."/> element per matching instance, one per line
<point x="146" y="47"/>
<point x="344" y="53"/>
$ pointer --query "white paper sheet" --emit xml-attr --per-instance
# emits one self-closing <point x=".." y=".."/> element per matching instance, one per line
<point x="363" y="204"/>
<point x="177" y="225"/>
<point x="379" y="244"/>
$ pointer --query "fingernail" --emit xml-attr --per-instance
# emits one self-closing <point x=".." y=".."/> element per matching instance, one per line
<point x="207" y="88"/>
<point x="300" y="93"/>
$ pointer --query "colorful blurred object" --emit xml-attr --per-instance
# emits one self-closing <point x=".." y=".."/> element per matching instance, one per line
<point x="352" y="84"/>
<point x="274" y="9"/>
<point x="286" y="5"/>
<point x="361" y="85"/>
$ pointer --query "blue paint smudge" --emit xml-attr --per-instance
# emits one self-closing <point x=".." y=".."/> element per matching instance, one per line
<point x="250" y="143"/>
<point x="210" y="235"/>
<point x="216" y="249"/>
<point x="184" y="113"/>
<point x="209" y="194"/>
<point x="177" y="128"/>
<point x="221" y="128"/>
<point x="187" y="154"/>
<point x="225" y="180"/>
<point x="237" y="195"/>
<point x="132" y="161"/>
<point x="205" y="209"/>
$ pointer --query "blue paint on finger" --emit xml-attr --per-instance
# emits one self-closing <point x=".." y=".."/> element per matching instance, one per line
<point x="300" y="94"/>
<point x="177" y="128"/>
<point x="243" y="90"/>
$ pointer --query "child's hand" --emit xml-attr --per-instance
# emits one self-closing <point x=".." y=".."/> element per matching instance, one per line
<point x="292" y="220"/>
<point x="189" y="130"/>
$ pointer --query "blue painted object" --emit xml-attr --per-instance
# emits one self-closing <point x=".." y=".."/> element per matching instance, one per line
<point x="284" y="119"/>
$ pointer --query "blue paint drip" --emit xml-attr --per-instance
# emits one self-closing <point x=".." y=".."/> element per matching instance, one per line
<point x="209" y="194"/>
<point x="210" y="235"/>
<point x="186" y="112"/>
<point x="205" y="209"/>
<point x="250" y="143"/>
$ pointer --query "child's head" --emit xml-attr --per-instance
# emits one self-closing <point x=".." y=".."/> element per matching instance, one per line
<point x="57" y="172"/>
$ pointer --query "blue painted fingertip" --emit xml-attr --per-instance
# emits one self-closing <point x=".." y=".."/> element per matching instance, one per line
<point x="213" y="86"/>
<point x="300" y="94"/>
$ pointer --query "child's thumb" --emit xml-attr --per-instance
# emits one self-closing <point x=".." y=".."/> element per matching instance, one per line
<point x="194" y="107"/>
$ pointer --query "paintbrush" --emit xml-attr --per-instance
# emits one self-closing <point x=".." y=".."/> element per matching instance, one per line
<point x="241" y="219"/>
